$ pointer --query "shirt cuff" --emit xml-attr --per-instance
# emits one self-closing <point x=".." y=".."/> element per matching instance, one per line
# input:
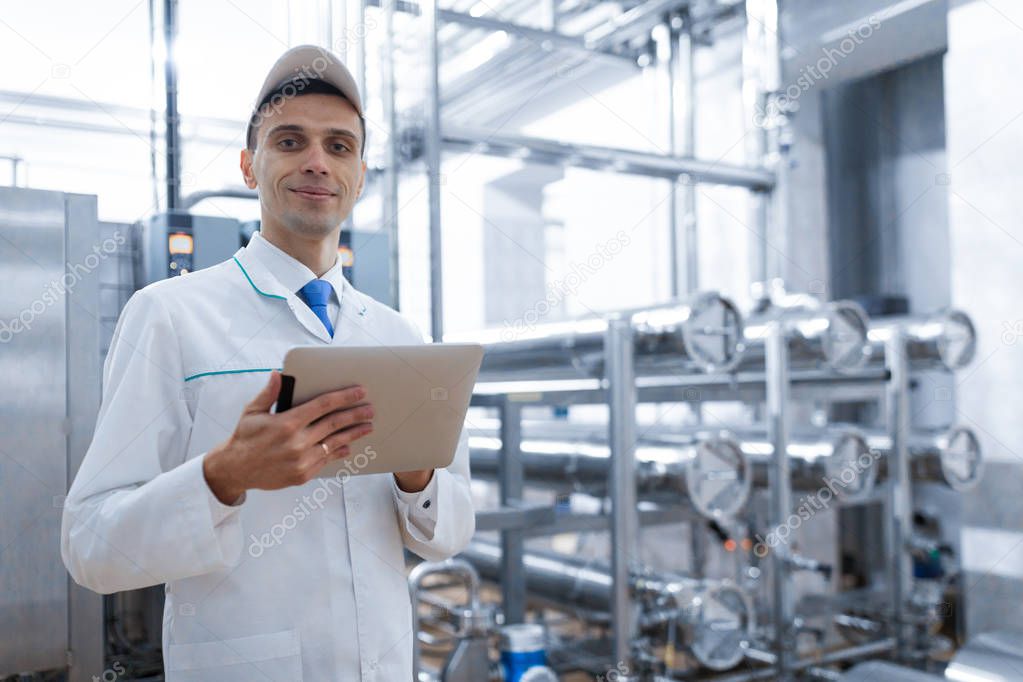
<point x="219" y="512"/>
<point x="422" y="503"/>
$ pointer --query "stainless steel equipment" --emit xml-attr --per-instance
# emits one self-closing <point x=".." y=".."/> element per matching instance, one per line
<point x="831" y="335"/>
<point x="880" y="671"/>
<point x="562" y="455"/>
<point x="952" y="457"/>
<point x="945" y="339"/>
<point x="701" y="334"/>
<point x="712" y="619"/>
<point x="712" y="472"/>
<point x="989" y="657"/>
<point x="837" y="460"/>
<point x="178" y="243"/>
<point x="469" y="659"/>
<point x="51" y="251"/>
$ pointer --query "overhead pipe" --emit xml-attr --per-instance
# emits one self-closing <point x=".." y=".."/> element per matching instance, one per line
<point x="194" y="198"/>
<point x="627" y="161"/>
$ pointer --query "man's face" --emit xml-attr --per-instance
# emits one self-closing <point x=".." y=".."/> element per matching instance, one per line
<point x="307" y="164"/>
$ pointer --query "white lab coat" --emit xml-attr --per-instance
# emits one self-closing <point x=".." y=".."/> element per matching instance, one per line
<point x="304" y="583"/>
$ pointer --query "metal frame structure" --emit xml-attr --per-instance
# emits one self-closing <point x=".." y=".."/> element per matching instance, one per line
<point x="774" y="376"/>
<point x="610" y="40"/>
<point x="779" y="386"/>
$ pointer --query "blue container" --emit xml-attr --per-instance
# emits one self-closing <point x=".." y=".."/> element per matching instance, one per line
<point x="522" y="648"/>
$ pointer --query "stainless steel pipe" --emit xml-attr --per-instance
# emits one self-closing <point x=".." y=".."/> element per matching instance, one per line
<point x="875" y="671"/>
<point x="712" y="619"/>
<point x="953" y="457"/>
<point x="701" y="334"/>
<point x="831" y="335"/>
<point x="453" y="567"/>
<point x="562" y="455"/>
<point x="711" y="472"/>
<point x="946" y="339"/>
<point x="838" y="460"/>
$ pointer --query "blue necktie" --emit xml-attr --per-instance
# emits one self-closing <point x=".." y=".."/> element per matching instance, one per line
<point x="316" y="294"/>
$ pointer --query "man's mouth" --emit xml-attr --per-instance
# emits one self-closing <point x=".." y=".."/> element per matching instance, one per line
<point x="313" y="193"/>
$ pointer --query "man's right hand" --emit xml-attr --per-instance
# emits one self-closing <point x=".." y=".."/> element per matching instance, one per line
<point x="272" y="451"/>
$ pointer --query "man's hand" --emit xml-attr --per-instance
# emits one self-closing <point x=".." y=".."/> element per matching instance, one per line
<point x="272" y="451"/>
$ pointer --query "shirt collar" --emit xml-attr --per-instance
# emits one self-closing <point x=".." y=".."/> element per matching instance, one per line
<point x="290" y="273"/>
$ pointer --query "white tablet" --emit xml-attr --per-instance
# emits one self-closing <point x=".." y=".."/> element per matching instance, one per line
<point x="420" y="395"/>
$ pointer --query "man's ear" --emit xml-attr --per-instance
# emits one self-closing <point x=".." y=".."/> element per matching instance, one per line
<point x="362" y="181"/>
<point x="246" y="166"/>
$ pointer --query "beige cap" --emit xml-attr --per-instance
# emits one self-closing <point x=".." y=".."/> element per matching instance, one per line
<point x="302" y="64"/>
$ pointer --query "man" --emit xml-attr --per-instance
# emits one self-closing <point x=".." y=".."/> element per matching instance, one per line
<point x="192" y="480"/>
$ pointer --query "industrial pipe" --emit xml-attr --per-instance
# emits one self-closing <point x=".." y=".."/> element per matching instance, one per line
<point x="563" y="455"/>
<point x="832" y="335"/>
<point x="712" y="473"/>
<point x="875" y="671"/>
<point x="452" y="567"/>
<point x="839" y="460"/>
<point x="701" y="334"/>
<point x="952" y="457"/>
<point x="713" y="619"/>
<point x="946" y="339"/>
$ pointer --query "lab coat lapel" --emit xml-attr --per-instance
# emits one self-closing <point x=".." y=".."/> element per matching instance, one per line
<point x="265" y="284"/>
<point x="353" y="325"/>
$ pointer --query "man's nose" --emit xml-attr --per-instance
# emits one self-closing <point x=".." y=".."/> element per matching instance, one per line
<point x="315" y="161"/>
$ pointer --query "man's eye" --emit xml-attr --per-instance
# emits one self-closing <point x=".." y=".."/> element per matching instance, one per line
<point x="338" y="147"/>
<point x="287" y="143"/>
